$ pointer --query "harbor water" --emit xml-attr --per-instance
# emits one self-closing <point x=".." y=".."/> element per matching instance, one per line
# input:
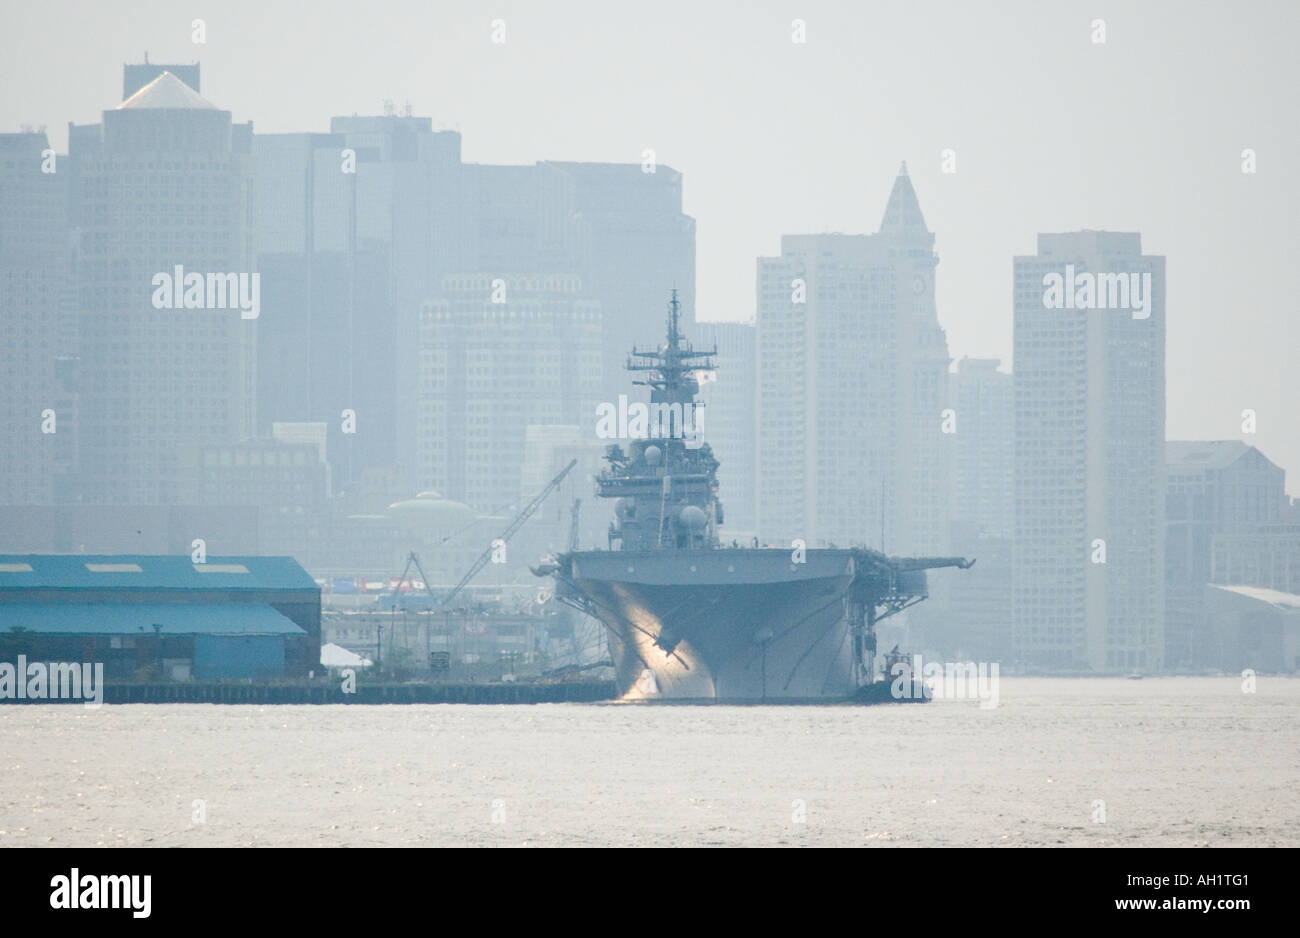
<point x="1087" y="762"/>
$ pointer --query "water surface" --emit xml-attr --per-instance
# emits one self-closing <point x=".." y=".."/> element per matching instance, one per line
<point x="1176" y="761"/>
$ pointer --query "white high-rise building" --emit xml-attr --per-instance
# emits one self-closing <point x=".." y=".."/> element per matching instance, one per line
<point x="852" y="383"/>
<point x="38" y="422"/>
<point x="1088" y="562"/>
<point x="164" y="191"/>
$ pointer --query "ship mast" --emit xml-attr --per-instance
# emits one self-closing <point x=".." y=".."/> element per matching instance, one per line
<point x="670" y="370"/>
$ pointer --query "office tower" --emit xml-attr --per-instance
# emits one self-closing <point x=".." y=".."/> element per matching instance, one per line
<point x="38" y="421"/>
<point x="314" y="433"/>
<point x="1213" y="487"/>
<point x="852" y="383"/>
<point x="983" y="447"/>
<point x="638" y="246"/>
<point x="168" y="291"/>
<point x="1267" y="557"/>
<point x="489" y="370"/>
<point x="354" y="228"/>
<point x="730" y="419"/>
<point x="278" y="474"/>
<point x="359" y="227"/>
<point x="1088" y="566"/>
<point x="969" y="615"/>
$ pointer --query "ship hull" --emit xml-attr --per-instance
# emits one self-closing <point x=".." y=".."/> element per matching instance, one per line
<point x="723" y="625"/>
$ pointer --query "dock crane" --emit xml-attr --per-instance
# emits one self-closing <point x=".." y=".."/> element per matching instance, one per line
<point x="486" y="556"/>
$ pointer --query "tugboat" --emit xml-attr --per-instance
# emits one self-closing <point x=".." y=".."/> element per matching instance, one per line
<point x="899" y="684"/>
<point x="690" y="619"/>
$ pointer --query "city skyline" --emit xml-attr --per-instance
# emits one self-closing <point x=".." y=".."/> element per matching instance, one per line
<point x="578" y="424"/>
<point x="1166" y="125"/>
<point x="438" y="331"/>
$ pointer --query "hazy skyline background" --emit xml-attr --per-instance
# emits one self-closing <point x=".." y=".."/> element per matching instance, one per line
<point x="1051" y="131"/>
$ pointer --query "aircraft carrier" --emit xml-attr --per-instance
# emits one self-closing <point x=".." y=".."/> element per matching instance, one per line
<point x="690" y="619"/>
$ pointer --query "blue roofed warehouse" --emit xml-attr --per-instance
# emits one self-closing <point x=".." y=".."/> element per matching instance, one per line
<point x="151" y="617"/>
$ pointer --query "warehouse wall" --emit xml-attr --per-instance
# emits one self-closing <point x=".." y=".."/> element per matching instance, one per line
<point x="225" y="657"/>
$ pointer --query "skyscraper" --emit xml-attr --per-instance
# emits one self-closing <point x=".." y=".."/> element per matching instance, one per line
<point x="489" y="370"/>
<point x="730" y="419"/>
<point x="852" y="383"/>
<point x="983" y="447"/>
<point x="358" y="228"/>
<point x="164" y="200"/>
<point x="1088" y="564"/>
<point x="1213" y="487"/>
<point x="638" y="246"/>
<point x="354" y="229"/>
<point x="968" y="614"/>
<point x="38" y="420"/>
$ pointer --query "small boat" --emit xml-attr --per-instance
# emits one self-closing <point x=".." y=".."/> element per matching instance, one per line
<point x="885" y="691"/>
<point x="899" y="685"/>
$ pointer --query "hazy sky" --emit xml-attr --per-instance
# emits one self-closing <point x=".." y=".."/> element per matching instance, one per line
<point x="1052" y="133"/>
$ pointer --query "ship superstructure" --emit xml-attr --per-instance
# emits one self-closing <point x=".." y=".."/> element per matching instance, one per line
<point x="690" y="618"/>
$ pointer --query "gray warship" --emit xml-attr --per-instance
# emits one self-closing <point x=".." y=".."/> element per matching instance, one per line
<point x="689" y="619"/>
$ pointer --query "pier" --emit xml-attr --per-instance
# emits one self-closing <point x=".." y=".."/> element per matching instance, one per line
<point x="228" y="693"/>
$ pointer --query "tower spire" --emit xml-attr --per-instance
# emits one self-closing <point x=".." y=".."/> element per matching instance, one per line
<point x="903" y="213"/>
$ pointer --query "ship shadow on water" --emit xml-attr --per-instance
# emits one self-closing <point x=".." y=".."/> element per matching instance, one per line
<point x="854" y="701"/>
<point x="879" y="692"/>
